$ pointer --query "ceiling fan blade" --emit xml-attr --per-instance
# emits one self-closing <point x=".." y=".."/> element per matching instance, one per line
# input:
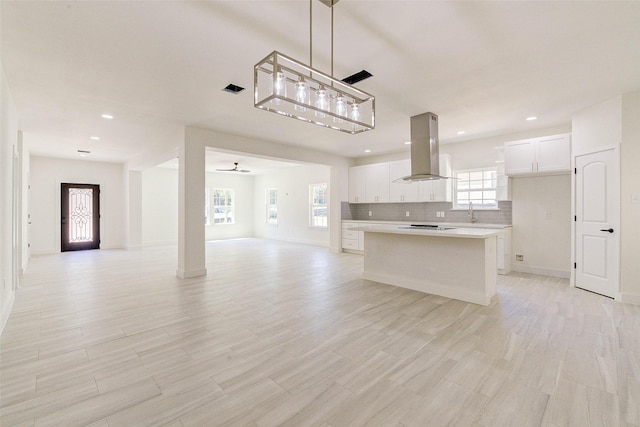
<point x="235" y="169"/>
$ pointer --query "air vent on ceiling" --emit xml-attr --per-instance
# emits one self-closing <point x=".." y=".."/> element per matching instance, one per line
<point x="231" y="88"/>
<point x="357" y="77"/>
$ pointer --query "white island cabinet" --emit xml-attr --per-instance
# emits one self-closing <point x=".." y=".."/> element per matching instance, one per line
<point x="457" y="263"/>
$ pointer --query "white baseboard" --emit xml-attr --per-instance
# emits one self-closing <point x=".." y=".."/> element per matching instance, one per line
<point x="565" y="274"/>
<point x="191" y="273"/>
<point x="630" y="298"/>
<point x="301" y="241"/>
<point x="160" y="243"/>
<point x="6" y="310"/>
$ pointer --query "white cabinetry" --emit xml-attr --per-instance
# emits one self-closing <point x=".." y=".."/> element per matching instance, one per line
<point x="377" y="183"/>
<point x="357" y="184"/>
<point x="352" y="241"/>
<point x="543" y="156"/>
<point x="401" y="192"/>
<point x="438" y="190"/>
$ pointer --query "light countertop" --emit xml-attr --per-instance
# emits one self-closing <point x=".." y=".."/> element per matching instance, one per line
<point x="460" y="232"/>
<point x="441" y="224"/>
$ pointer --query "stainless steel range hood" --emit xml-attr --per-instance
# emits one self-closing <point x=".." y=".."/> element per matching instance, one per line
<point x="425" y="154"/>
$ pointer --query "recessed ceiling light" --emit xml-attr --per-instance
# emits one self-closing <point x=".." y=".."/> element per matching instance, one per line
<point x="529" y="119"/>
<point x="407" y="143"/>
<point x="367" y="151"/>
<point x="461" y="132"/>
<point x="95" y="138"/>
<point x="107" y="116"/>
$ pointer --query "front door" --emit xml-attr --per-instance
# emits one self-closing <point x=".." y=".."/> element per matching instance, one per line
<point x="80" y="217"/>
<point x="597" y="216"/>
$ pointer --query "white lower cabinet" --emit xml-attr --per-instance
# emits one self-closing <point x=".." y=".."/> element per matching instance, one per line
<point x="352" y="241"/>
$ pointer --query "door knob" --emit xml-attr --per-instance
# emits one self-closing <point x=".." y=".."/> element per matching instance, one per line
<point x="610" y="230"/>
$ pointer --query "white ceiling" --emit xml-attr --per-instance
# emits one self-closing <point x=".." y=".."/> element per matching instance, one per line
<point x="483" y="67"/>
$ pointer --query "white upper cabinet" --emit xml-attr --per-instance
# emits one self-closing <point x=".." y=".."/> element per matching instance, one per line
<point x="544" y="156"/>
<point x="377" y="183"/>
<point x="373" y="183"/>
<point x="401" y="192"/>
<point x="553" y="153"/>
<point x="438" y="190"/>
<point x="357" y="184"/>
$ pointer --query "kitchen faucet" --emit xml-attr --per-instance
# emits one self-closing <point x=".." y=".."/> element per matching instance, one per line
<point x="470" y="213"/>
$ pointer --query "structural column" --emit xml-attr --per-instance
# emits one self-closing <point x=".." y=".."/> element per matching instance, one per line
<point x="191" y="230"/>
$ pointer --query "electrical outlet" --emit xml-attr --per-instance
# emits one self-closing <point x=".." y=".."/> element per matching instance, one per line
<point x="441" y="214"/>
<point x="370" y="213"/>
<point x="407" y="213"/>
<point x="519" y="257"/>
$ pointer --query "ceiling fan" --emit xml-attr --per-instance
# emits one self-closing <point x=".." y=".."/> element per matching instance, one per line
<point x="235" y="169"/>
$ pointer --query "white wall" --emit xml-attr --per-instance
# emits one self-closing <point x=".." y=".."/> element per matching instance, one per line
<point x="8" y="142"/>
<point x="630" y="209"/>
<point x="46" y="176"/>
<point x="542" y="224"/>
<point x="470" y="154"/>
<point x="159" y="206"/>
<point x="293" y="205"/>
<point x="243" y="187"/>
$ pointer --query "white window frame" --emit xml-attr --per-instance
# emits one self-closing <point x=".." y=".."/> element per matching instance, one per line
<point x="483" y="185"/>
<point x="226" y="208"/>
<point x="271" y="207"/>
<point x="314" y="206"/>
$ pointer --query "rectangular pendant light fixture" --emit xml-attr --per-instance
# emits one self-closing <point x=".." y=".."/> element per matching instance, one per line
<point x="285" y="86"/>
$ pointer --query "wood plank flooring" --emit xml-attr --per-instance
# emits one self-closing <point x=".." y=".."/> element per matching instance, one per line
<point x="281" y="334"/>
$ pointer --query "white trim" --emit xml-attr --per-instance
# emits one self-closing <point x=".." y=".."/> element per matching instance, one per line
<point x="630" y="298"/>
<point x="190" y="274"/>
<point x="565" y="274"/>
<point x="6" y="310"/>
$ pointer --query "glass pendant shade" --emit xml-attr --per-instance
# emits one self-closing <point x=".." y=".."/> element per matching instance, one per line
<point x="322" y="102"/>
<point x="279" y="87"/>
<point x="302" y="95"/>
<point x="316" y="97"/>
<point x="340" y="108"/>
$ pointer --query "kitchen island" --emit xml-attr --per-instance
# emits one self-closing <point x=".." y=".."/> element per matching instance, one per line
<point x="458" y="263"/>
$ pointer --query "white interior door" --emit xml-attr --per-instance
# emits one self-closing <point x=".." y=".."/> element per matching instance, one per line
<point x="597" y="217"/>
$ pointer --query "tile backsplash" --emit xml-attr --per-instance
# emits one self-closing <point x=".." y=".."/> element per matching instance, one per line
<point x="422" y="212"/>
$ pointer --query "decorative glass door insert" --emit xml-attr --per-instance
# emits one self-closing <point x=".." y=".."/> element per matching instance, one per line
<point x="80" y="219"/>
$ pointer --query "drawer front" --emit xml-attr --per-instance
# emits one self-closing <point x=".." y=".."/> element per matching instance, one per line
<point x="350" y="244"/>
<point x="349" y="234"/>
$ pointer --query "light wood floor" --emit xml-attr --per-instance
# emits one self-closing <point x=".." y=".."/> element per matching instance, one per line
<point x="285" y="334"/>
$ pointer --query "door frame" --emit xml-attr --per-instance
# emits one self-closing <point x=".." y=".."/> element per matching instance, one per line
<point x="616" y="192"/>
<point x="64" y="230"/>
